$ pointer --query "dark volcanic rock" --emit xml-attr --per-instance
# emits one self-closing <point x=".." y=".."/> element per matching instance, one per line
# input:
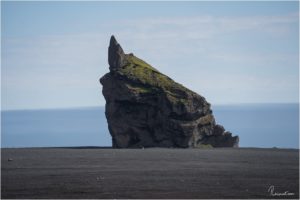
<point x="145" y="108"/>
<point x="115" y="54"/>
<point x="218" y="130"/>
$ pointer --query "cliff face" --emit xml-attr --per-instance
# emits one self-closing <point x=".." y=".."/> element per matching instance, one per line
<point x="145" y="108"/>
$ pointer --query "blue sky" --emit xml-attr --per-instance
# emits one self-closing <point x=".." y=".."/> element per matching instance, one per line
<point x="53" y="53"/>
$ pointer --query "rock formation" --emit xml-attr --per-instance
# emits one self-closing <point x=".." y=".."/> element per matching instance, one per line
<point x="145" y="108"/>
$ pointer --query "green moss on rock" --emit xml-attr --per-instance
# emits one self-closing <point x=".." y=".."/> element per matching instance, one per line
<point x="139" y="89"/>
<point x="141" y="72"/>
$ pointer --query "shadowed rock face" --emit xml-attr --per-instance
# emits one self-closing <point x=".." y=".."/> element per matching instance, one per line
<point x="145" y="108"/>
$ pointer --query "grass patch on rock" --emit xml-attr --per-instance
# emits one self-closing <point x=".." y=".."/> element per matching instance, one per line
<point x="142" y="73"/>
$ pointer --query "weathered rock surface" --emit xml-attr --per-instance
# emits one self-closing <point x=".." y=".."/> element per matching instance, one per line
<point x="145" y="108"/>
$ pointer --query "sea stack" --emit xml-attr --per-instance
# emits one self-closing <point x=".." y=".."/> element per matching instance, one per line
<point x="145" y="108"/>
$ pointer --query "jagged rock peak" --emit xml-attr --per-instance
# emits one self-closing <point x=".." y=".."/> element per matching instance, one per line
<point x="113" y="41"/>
<point x="116" y="56"/>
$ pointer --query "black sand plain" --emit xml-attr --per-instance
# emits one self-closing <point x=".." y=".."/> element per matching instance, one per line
<point x="158" y="173"/>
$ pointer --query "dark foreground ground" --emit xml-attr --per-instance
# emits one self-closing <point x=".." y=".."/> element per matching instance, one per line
<point x="149" y="173"/>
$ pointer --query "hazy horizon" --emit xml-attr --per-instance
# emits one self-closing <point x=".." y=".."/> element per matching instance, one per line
<point x="103" y="106"/>
<point x="257" y="125"/>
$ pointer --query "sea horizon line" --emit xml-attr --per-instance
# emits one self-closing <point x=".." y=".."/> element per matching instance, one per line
<point x="103" y="106"/>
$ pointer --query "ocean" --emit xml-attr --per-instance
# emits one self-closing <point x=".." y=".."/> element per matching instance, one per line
<point x="258" y="125"/>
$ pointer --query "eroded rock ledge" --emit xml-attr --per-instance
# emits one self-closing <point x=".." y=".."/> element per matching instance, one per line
<point x="145" y="108"/>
